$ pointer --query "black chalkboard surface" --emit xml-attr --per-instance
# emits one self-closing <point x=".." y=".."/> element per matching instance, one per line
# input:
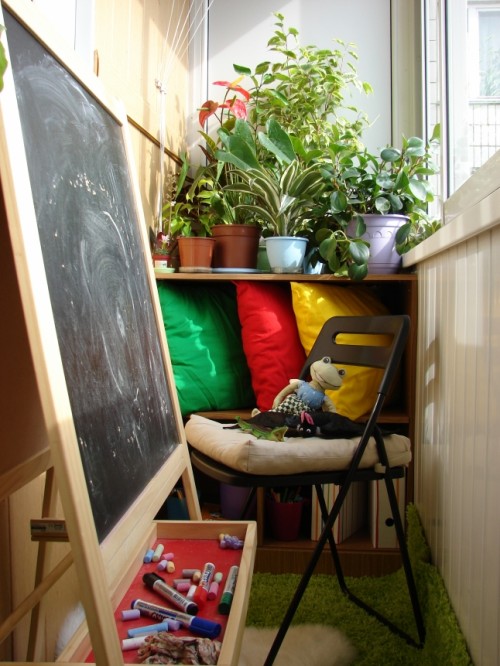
<point x="96" y="274"/>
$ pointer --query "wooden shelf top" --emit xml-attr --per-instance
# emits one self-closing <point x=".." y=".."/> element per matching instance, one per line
<point x="284" y="277"/>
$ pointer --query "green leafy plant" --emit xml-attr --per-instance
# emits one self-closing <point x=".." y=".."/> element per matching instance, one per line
<point x="186" y="211"/>
<point x="416" y="230"/>
<point x="305" y="88"/>
<point x="282" y="194"/>
<point x="394" y="181"/>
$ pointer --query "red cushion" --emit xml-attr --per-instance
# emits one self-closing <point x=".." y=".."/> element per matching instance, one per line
<point x="270" y="338"/>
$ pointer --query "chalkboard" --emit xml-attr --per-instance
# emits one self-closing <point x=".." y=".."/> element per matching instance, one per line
<point x="95" y="265"/>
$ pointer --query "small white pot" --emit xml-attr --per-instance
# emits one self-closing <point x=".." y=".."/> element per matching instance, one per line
<point x="286" y="253"/>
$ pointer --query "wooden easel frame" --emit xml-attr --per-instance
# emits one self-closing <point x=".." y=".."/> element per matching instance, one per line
<point x="99" y="566"/>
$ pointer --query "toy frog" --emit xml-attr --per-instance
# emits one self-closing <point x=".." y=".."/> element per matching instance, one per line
<point x="301" y="396"/>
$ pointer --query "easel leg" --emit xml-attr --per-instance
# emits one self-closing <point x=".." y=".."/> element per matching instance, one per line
<point x="48" y="509"/>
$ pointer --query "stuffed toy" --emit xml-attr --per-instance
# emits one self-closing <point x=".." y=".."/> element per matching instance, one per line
<point x="275" y="426"/>
<point x="301" y="396"/>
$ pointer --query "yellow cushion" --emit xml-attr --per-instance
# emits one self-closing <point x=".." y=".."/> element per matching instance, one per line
<point x="313" y="304"/>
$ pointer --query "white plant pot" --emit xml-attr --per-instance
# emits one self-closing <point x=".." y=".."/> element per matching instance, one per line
<point x="286" y="253"/>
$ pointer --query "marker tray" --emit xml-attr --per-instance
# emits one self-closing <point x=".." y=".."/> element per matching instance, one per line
<point x="193" y="543"/>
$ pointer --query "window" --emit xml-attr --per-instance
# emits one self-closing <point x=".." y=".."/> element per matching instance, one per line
<point x="462" y="46"/>
<point x="73" y="19"/>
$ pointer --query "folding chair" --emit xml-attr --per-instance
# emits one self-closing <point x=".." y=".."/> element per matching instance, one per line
<point x="329" y="343"/>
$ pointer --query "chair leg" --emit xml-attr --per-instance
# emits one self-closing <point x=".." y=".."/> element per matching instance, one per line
<point x="326" y="535"/>
<point x="410" y="580"/>
<point x="248" y="503"/>
<point x="331" y="540"/>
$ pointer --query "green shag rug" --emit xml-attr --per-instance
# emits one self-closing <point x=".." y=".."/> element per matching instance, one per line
<point x="324" y="603"/>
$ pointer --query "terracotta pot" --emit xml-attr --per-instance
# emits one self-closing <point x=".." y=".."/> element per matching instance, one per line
<point x="196" y="252"/>
<point x="236" y="245"/>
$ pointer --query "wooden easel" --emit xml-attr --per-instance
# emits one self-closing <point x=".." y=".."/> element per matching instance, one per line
<point x="104" y="555"/>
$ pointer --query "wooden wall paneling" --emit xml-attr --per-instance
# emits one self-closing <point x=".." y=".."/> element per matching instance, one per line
<point x="457" y="425"/>
<point x="135" y="41"/>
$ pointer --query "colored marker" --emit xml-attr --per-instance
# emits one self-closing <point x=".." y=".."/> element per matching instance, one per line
<point x="149" y="629"/>
<point x="201" y="594"/>
<point x="156" y="583"/>
<point x="227" y="596"/>
<point x="197" y="625"/>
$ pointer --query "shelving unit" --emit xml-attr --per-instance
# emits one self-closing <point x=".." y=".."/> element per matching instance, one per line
<point x="399" y="292"/>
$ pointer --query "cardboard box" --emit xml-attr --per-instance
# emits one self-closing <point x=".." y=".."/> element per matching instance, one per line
<point x="352" y="515"/>
<point x="382" y="531"/>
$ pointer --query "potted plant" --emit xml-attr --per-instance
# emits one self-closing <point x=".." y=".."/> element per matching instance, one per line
<point x="281" y="193"/>
<point x="187" y="221"/>
<point x="305" y="93"/>
<point x="367" y="195"/>
<point x="305" y="90"/>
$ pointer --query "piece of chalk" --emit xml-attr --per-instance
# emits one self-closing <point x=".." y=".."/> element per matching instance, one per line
<point x="170" y="566"/>
<point x="174" y="625"/>
<point x="213" y="590"/>
<point x="183" y="587"/>
<point x="131" y="614"/>
<point x="133" y="643"/>
<point x="148" y="556"/>
<point x="167" y="556"/>
<point x="189" y="573"/>
<point x="218" y="576"/>
<point x="148" y="629"/>
<point x="180" y="581"/>
<point x="157" y="553"/>
<point x="196" y="577"/>
<point x="191" y="591"/>
<point x="161" y="566"/>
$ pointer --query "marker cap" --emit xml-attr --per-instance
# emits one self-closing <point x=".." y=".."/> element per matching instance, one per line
<point x="200" y="595"/>
<point x="225" y="603"/>
<point x="205" y="628"/>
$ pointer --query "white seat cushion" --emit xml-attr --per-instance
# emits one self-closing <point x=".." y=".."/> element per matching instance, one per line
<point x="246" y="453"/>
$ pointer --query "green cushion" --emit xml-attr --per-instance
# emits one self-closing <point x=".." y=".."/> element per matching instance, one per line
<point x="204" y="340"/>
